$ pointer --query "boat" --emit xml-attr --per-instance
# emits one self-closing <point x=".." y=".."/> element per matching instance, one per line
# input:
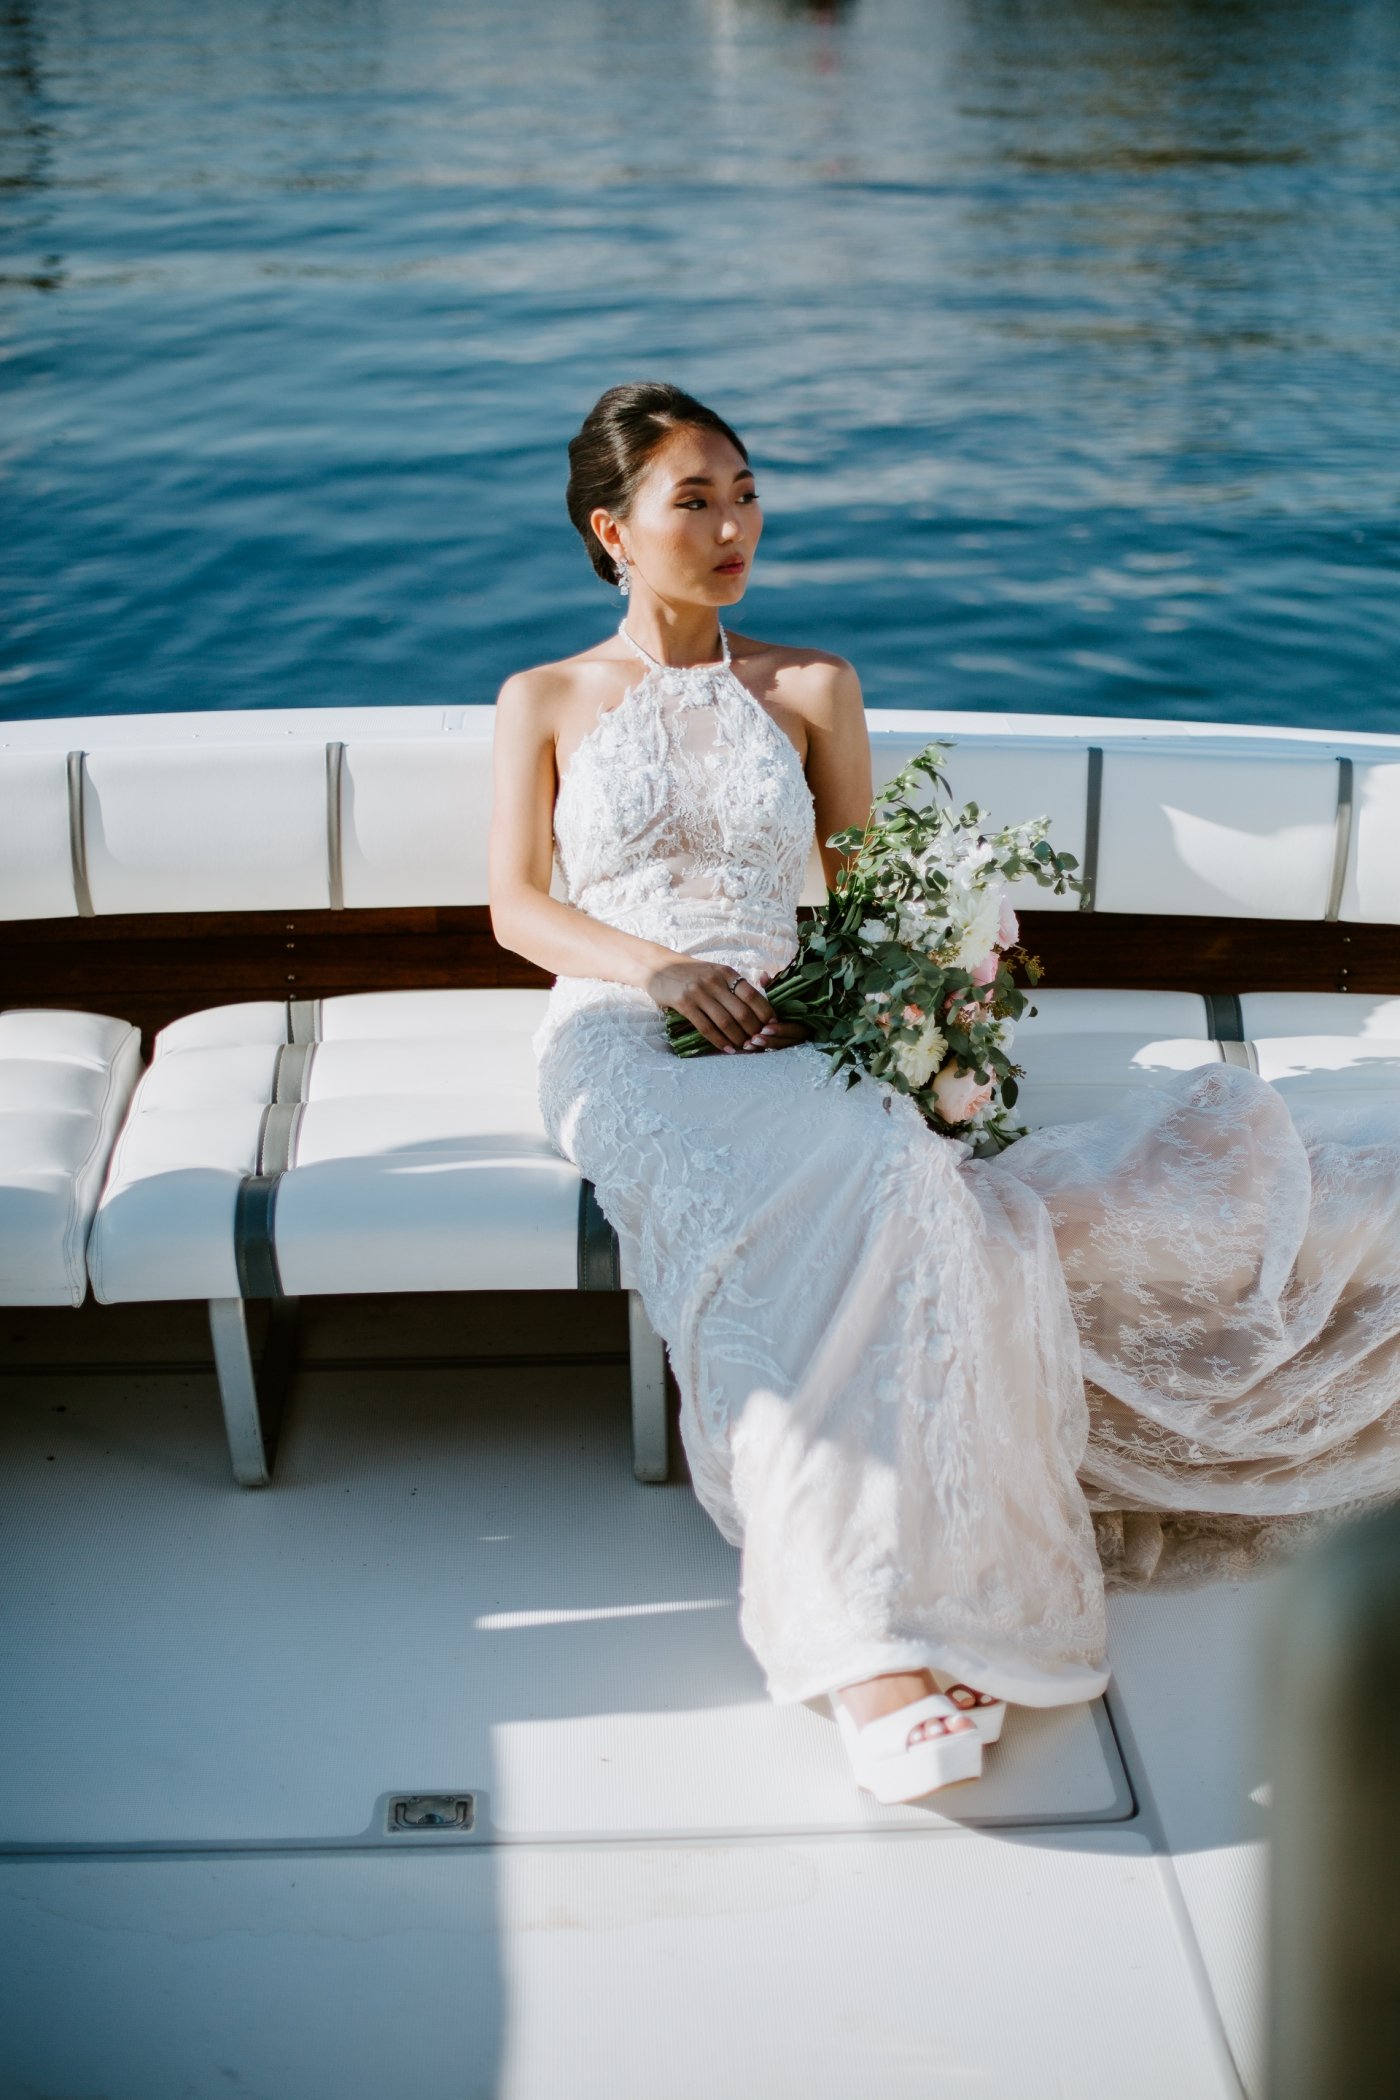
<point x="434" y="1764"/>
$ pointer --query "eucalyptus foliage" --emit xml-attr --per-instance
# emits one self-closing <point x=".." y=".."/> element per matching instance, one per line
<point x="909" y="971"/>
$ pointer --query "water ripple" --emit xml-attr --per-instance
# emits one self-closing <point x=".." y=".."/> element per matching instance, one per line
<point x="1064" y="341"/>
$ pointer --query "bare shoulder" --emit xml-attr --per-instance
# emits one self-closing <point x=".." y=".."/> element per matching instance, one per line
<point x="539" y="684"/>
<point x="542" y="694"/>
<point x="816" y="684"/>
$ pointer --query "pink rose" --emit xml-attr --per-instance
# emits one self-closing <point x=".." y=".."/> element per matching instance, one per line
<point x="986" y="970"/>
<point x="1009" y="929"/>
<point x="958" y="1095"/>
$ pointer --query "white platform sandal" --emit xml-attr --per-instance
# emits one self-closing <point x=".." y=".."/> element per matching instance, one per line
<point x="892" y="1768"/>
<point x="985" y="1712"/>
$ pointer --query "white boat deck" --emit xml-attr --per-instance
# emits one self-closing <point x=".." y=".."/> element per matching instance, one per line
<point x="671" y="1888"/>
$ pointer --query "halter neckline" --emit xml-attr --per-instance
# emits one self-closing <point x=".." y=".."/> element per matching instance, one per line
<point x="677" y="670"/>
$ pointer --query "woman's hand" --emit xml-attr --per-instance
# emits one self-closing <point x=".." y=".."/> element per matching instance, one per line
<point x="777" y="1034"/>
<point x="736" y="1017"/>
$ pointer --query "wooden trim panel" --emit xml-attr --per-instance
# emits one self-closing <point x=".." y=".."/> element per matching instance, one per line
<point x="150" y="967"/>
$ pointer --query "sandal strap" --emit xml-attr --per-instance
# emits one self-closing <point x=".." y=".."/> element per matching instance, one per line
<point x="889" y="1735"/>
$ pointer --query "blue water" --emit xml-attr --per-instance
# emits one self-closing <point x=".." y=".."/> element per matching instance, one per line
<point x="1064" y="336"/>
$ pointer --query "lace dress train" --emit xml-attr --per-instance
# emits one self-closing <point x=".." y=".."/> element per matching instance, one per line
<point x="919" y="1390"/>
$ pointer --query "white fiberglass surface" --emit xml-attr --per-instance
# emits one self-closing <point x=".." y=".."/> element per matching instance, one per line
<point x="971" y="1968"/>
<point x="454" y="1582"/>
<point x="1191" y="1696"/>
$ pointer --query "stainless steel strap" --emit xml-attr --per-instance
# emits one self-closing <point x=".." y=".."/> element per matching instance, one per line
<point x="1341" y="852"/>
<point x="77" y="832"/>
<point x="599" y="1257"/>
<point x="335" y="764"/>
<point x="254" y="1222"/>
<point x="1225" y="1019"/>
<point x="1093" y="811"/>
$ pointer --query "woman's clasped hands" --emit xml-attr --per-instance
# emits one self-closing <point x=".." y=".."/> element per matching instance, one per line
<point x="729" y="1012"/>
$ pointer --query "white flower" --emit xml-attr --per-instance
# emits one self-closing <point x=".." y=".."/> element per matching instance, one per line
<point x="981" y="926"/>
<point x="875" y="930"/>
<point x="920" y="1059"/>
<point x="918" y="921"/>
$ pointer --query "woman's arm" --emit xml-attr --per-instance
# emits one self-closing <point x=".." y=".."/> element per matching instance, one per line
<point x="838" y="764"/>
<point x="558" y="936"/>
<point x="520" y="854"/>
<point x="838" y="770"/>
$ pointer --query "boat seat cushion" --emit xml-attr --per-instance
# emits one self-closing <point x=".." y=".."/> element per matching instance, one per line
<point x="1334" y="1056"/>
<point x="416" y="1156"/>
<point x="413" y="1155"/>
<point x="65" y="1082"/>
<point x="265" y="811"/>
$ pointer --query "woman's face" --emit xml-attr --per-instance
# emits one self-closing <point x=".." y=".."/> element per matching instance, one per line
<point x="695" y="521"/>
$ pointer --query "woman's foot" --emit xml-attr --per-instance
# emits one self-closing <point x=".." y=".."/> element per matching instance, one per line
<point x="877" y="1696"/>
<point x="904" y="1740"/>
<point x="983" y="1709"/>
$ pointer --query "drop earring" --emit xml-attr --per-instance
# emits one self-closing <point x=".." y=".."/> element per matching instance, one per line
<point x="624" y="581"/>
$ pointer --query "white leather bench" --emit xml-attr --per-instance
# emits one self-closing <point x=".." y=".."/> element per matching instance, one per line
<point x="1335" y="1057"/>
<point x="392" y="1140"/>
<point x="371" y="1142"/>
<point x="65" y="1082"/>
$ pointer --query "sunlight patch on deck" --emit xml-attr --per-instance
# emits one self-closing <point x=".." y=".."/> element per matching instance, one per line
<point x="510" y="1621"/>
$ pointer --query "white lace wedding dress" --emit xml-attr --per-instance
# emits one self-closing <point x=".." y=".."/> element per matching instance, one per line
<point x="918" y="1389"/>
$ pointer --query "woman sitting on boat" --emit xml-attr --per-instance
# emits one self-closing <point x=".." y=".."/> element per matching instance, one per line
<point x="911" y="1379"/>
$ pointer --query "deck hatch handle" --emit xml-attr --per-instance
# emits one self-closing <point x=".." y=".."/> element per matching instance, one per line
<point x="432" y="1811"/>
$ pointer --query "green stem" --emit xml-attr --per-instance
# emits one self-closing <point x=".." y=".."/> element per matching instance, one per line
<point x="785" y="996"/>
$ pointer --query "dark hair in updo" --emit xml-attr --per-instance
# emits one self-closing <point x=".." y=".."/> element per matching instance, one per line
<point x="616" y="440"/>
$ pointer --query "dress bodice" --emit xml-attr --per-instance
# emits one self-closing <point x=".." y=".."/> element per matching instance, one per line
<point x="684" y="816"/>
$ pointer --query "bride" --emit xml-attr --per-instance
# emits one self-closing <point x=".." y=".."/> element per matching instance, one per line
<point x="919" y="1390"/>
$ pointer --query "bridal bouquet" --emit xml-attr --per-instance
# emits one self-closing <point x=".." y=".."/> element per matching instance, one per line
<point x="909" y="972"/>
